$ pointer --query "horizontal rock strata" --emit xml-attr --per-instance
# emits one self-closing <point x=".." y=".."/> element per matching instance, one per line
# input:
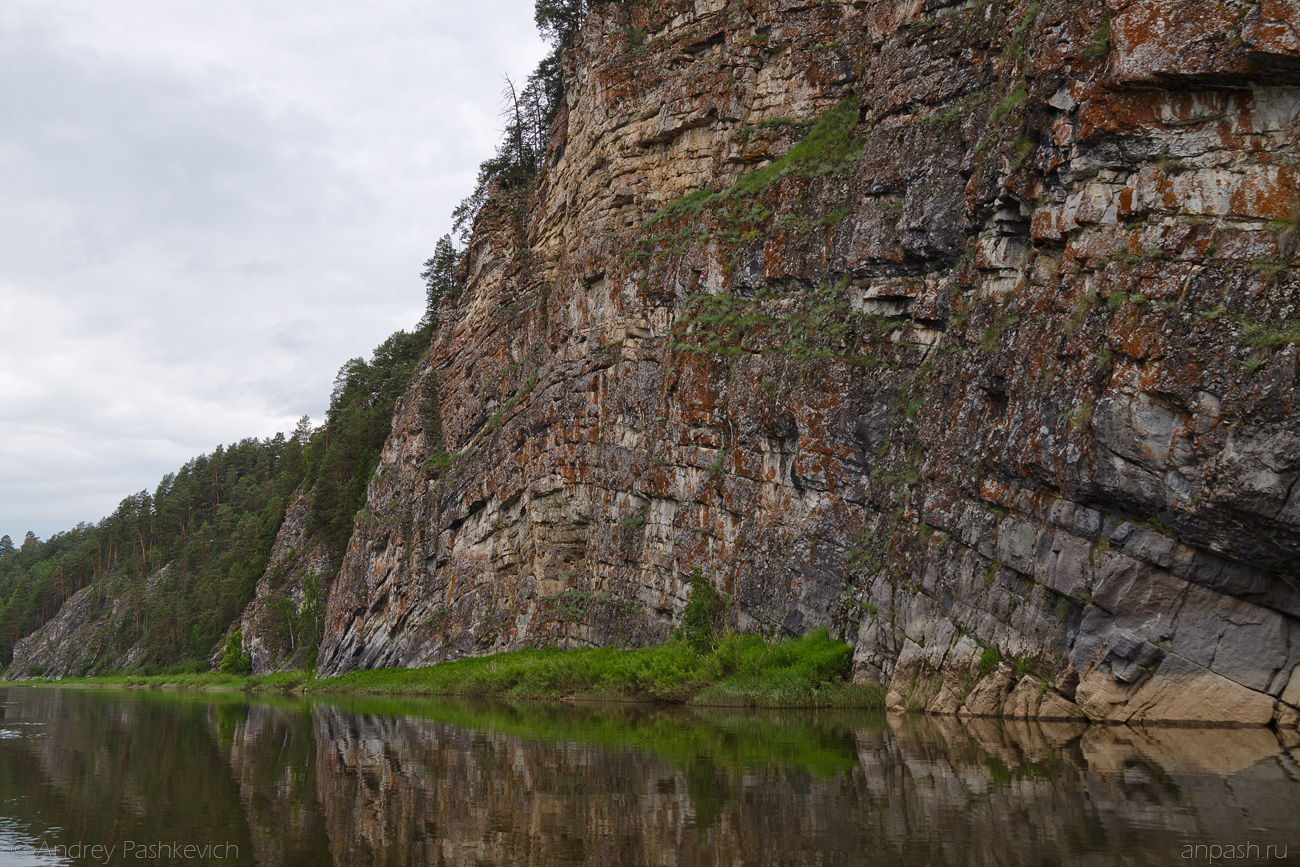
<point x="967" y="330"/>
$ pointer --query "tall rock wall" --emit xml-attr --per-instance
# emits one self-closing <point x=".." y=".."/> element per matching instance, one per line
<point x="967" y="330"/>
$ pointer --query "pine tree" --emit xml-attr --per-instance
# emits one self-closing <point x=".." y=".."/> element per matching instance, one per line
<point x="528" y="111"/>
<point x="560" y="20"/>
<point x="439" y="277"/>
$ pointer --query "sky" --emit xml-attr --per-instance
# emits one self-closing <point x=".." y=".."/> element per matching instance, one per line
<point x="208" y="207"/>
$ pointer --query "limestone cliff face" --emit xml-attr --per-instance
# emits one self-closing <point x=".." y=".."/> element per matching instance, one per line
<point x="968" y="330"/>
<point x="278" y="628"/>
<point x="85" y="636"/>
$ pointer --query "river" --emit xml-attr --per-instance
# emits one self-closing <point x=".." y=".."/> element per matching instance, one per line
<point x="126" y="777"/>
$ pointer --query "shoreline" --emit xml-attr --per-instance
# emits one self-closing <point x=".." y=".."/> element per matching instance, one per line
<point x="740" y="671"/>
<point x="734" y="671"/>
<point x="833" y="695"/>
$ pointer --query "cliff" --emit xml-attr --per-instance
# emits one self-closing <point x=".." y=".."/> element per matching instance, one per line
<point x="92" y="630"/>
<point x="281" y="626"/>
<point x="969" y="330"/>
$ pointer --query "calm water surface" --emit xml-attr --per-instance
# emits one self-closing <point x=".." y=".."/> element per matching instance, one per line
<point x="433" y="783"/>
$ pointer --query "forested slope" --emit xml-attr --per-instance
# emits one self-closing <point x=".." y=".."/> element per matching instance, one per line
<point x="158" y="582"/>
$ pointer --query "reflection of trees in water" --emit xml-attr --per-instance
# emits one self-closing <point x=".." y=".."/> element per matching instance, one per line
<point x="110" y="770"/>
<point x="457" y="783"/>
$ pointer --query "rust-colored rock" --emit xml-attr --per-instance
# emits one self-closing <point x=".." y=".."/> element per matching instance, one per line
<point x="1004" y="356"/>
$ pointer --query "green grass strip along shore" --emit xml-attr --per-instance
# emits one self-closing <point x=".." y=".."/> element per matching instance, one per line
<point x="740" y="671"/>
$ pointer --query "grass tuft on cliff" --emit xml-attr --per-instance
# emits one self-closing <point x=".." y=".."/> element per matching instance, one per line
<point x="829" y="148"/>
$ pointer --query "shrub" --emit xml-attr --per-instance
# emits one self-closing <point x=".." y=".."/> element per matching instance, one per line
<point x="236" y="660"/>
<point x="989" y="659"/>
<point x="704" y="614"/>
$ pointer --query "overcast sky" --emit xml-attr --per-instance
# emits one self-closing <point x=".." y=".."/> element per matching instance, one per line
<point x="209" y="206"/>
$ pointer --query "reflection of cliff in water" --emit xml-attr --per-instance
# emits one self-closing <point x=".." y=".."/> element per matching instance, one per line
<point x="915" y="791"/>
<point x="405" y="791"/>
<point x="455" y="783"/>
<point x="272" y="755"/>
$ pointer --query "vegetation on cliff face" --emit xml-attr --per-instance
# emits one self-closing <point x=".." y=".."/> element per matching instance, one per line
<point x="528" y="112"/>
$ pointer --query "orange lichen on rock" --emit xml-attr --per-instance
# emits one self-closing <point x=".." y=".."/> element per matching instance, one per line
<point x="954" y="333"/>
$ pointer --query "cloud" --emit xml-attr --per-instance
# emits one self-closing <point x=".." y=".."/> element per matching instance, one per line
<point x="209" y="208"/>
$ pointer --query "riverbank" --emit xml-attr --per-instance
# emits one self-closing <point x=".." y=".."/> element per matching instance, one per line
<point x="740" y="671"/>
